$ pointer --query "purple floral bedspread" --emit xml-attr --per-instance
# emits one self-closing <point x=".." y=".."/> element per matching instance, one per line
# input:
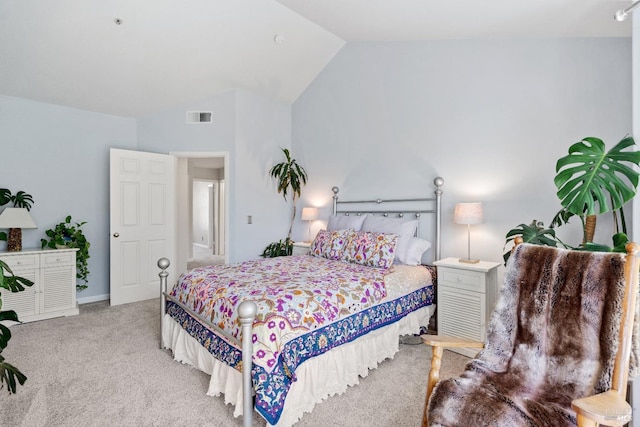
<point x="294" y="296"/>
<point x="306" y="306"/>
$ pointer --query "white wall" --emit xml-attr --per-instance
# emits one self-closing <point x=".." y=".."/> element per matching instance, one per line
<point x="60" y="156"/>
<point x="251" y="129"/>
<point x="491" y="117"/>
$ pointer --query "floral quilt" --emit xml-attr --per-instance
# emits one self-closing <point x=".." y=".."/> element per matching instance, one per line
<point x="306" y="306"/>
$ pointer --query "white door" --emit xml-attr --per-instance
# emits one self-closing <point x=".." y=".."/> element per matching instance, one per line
<point x="142" y="224"/>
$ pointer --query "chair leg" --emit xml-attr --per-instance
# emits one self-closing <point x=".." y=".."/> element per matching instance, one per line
<point x="434" y="376"/>
<point x="585" y="422"/>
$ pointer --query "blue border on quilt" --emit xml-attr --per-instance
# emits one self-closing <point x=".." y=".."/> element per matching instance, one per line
<point x="271" y="388"/>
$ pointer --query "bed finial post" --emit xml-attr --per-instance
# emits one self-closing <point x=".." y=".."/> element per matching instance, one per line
<point x="335" y="199"/>
<point x="247" y="311"/>
<point x="163" y="264"/>
<point x="438" y="182"/>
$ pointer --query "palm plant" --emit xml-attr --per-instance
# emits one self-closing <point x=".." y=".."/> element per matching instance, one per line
<point x="19" y="200"/>
<point x="9" y="374"/>
<point x="290" y="175"/>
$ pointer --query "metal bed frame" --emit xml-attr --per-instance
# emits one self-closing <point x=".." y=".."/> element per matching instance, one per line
<point x="247" y="310"/>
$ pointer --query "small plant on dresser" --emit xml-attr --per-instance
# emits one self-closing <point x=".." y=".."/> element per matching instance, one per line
<point x="9" y="374"/>
<point x="69" y="235"/>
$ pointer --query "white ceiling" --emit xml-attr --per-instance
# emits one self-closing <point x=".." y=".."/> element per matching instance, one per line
<point x="167" y="53"/>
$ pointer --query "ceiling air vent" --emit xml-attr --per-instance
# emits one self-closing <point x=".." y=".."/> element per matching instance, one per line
<point x="199" y="117"/>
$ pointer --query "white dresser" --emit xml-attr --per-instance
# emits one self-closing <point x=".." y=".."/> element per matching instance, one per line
<point x="466" y="297"/>
<point x="53" y="273"/>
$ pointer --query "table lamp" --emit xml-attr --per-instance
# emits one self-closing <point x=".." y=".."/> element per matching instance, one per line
<point x="309" y="214"/>
<point x="15" y="219"/>
<point x="468" y="213"/>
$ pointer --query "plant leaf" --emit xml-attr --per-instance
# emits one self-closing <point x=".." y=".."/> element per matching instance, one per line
<point x="588" y="174"/>
<point x="533" y="233"/>
<point x="10" y="374"/>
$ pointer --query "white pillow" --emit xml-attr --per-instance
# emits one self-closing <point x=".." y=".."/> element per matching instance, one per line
<point x="405" y="229"/>
<point x="412" y="252"/>
<point x="342" y="222"/>
<point x="399" y="226"/>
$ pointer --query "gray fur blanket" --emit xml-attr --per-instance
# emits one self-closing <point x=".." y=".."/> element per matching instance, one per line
<point x="552" y="338"/>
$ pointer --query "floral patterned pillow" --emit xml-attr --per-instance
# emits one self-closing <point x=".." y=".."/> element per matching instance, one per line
<point x="331" y="244"/>
<point x="371" y="249"/>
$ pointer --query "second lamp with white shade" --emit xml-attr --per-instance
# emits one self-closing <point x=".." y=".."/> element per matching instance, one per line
<point x="469" y="214"/>
<point x="309" y="214"/>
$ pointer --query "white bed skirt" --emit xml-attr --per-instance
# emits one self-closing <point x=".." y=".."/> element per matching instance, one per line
<point x="317" y="378"/>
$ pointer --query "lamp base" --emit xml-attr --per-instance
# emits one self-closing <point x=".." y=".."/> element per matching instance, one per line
<point x="14" y="240"/>
<point x="469" y="261"/>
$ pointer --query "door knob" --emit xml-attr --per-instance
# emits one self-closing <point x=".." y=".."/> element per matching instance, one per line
<point x="116" y="235"/>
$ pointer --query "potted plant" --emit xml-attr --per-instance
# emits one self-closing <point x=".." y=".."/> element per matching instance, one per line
<point x="590" y="181"/>
<point x="19" y="200"/>
<point x="70" y="235"/>
<point x="291" y="177"/>
<point x="9" y="374"/>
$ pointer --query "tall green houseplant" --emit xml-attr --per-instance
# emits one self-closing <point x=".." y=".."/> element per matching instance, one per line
<point x="290" y="176"/>
<point x="590" y="181"/>
<point x="593" y="181"/>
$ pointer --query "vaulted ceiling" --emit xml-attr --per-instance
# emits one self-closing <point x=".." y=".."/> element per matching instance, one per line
<point x="133" y="58"/>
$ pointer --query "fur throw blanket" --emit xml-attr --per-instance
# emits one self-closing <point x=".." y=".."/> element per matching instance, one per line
<point x="552" y="338"/>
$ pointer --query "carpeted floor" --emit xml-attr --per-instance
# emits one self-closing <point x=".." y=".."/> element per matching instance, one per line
<point x="104" y="368"/>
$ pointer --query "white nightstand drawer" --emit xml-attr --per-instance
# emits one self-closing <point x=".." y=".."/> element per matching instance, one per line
<point x="461" y="279"/>
<point x="301" y="248"/>
<point x="54" y="260"/>
<point x="16" y="262"/>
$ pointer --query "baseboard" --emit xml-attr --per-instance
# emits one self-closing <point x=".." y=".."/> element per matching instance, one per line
<point x="94" y="298"/>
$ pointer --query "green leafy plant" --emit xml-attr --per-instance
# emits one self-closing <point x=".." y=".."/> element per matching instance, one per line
<point x="279" y="248"/>
<point x="9" y="374"/>
<point x="593" y="181"/>
<point x="70" y="235"/>
<point x="590" y="181"/>
<point x="19" y="200"/>
<point x="291" y="177"/>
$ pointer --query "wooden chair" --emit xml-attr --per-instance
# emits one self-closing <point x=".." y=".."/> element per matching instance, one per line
<point x="601" y="290"/>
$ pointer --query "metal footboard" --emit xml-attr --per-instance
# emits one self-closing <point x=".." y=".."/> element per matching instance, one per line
<point x="246" y="313"/>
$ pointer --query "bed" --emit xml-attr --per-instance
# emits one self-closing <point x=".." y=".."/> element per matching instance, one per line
<point x="308" y="325"/>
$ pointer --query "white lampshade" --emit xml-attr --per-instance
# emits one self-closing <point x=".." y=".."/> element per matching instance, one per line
<point x="16" y="218"/>
<point x="309" y="214"/>
<point x="468" y="213"/>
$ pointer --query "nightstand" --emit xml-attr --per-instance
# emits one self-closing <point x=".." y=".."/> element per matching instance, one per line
<point x="466" y="296"/>
<point x="301" y="248"/>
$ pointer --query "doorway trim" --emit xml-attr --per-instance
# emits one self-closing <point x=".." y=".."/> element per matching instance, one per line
<point x="227" y="181"/>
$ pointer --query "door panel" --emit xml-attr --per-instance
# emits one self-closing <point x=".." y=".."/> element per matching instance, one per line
<point x="142" y="222"/>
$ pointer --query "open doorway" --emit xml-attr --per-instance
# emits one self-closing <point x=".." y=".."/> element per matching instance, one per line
<point x="202" y="201"/>
<point x="207" y="217"/>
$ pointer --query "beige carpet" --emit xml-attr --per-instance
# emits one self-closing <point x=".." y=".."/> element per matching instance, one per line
<point x="104" y="368"/>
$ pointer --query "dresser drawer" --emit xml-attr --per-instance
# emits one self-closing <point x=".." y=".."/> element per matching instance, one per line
<point x="17" y="262"/>
<point x="56" y="260"/>
<point x="461" y="279"/>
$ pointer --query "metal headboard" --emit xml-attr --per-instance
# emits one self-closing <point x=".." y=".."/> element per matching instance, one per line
<point x="434" y="201"/>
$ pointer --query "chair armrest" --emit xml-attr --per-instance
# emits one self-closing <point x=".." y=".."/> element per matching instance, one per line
<point x="445" y="341"/>
<point x="607" y="408"/>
